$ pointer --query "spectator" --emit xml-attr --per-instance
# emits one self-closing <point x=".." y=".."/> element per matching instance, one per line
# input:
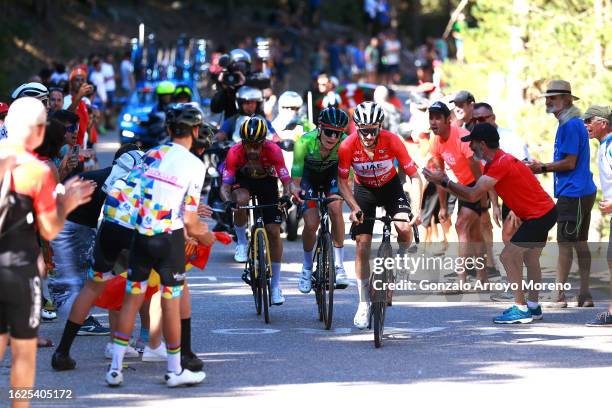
<point x="574" y="188"/>
<point x="98" y="79"/>
<point x="598" y="120"/>
<point x="391" y="57"/>
<point x="464" y="108"/>
<point x="457" y="32"/>
<point x="19" y="251"/>
<point x="127" y="74"/>
<point x="76" y="100"/>
<point x="372" y="59"/>
<point x="392" y="114"/>
<point x="59" y="74"/>
<point x="3" y="111"/>
<point x="108" y="70"/>
<point x="68" y="163"/>
<point x="56" y="100"/>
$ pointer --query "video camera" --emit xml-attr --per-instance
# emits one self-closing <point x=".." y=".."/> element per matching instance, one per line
<point x="237" y="64"/>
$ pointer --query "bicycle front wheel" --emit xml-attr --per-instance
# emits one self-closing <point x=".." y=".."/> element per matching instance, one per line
<point x="379" y="284"/>
<point x="263" y="273"/>
<point x="328" y="280"/>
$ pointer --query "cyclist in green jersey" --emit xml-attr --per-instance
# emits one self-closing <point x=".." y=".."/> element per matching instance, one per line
<point x="315" y="168"/>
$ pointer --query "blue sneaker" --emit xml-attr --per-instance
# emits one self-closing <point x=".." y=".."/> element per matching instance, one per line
<point x="536" y="313"/>
<point x="514" y="315"/>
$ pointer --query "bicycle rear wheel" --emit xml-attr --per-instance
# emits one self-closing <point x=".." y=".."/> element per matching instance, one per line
<point x="379" y="295"/>
<point x="263" y="274"/>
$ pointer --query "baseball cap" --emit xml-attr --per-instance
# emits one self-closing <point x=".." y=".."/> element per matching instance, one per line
<point x="600" y="111"/>
<point x="439" y="107"/>
<point x="485" y="132"/>
<point x="463" y="96"/>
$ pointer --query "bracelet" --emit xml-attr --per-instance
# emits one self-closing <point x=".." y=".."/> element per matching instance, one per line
<point x="544" y="169"/>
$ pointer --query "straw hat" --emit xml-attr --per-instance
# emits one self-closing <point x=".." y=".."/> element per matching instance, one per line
<point x="559" y="87"/>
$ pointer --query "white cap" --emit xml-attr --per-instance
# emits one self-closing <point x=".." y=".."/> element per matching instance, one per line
<point x="23" y="115"/>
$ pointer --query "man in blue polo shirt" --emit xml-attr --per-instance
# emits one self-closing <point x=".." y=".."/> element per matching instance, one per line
<point x="574" y="188"/>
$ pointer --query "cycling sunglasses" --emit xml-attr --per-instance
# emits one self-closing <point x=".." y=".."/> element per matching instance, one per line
<point x="332" y="133"/>
<point x="369" y="131"/>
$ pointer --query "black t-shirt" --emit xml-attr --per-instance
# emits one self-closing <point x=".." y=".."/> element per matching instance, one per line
<point x="88" y="214"/>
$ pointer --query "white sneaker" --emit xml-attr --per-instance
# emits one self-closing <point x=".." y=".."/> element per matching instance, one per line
<point x="186" y="377"/>
<point x="130" y="352"/>
<point x="114" y="378"/>
<point x="305" y="283"/>
<point x="157" y="354"/>
<point x="362" y="317"/>
<point x="277" y="297"/>
<point x="341" y="280"/>
<point x="241" y="253"/>
<point x="48" y="314"/>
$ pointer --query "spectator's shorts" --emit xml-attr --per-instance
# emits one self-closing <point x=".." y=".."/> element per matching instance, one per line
<point x="574" y="218"/>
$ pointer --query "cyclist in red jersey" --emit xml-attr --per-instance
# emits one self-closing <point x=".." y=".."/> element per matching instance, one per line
<point x="253" y="166"/>
<point x="524" y="195"/>
<point x="371" y="152"/>
<point x="448" y="148"/>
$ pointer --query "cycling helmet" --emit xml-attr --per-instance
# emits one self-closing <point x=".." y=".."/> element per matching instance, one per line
<point x="240" y="55"/>
<point x="247" y="93"/>
<point x="368" y="113"/>
<point x="165" y="88"/>
<point x="33" y="89"/>
<point x="182" y="89"/>
<point x="254" y="130"/>
<point x="205" y="136"/>
<point x="184" y="114"/>
<point x="290" y="99"/>
<point x="333" y="118"/>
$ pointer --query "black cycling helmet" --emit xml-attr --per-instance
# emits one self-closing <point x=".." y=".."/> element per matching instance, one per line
<point x="183" y="117"/>
<point x="254" y="130"/>
<point x="334" y="118"/>
<point x="205" y="136"/>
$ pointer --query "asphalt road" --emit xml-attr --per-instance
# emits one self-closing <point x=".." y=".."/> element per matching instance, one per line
<point x="435" y="354"/>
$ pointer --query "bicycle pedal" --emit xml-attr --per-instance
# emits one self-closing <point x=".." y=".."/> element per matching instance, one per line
<point x="245" y="278"/>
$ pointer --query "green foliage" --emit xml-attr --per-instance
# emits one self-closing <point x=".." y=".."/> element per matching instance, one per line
<point x="552" y="40"/>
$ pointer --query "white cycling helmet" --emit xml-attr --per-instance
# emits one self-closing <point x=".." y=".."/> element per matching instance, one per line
<point x="368" y="113"/>
<point x="33" y="89"/>
<point x="290" y="99"/>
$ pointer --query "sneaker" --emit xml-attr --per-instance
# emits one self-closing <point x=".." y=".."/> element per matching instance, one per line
<point x="48" y="315"/>
<point x="114" y="378"/>
<point x="305" y="283"/>
<point x="601" y="320"/>
<point x="186" y="377"/>
<point x="536" y="313"/>
<point x="492" y="272"/>
<point x="92" y="327"/>
<point x="277" y="297"/>
<point x="62" y="362"/>
<point x="502" y="297"/>
<point x="241" y="253"/>
<point x="157" y="354"/>
<point x="130" y="352"/>
<point x="362" y="317"/>
<point x="191" y="362"/>
<point x="514" y="315"/>
<point x="341" y="280"/>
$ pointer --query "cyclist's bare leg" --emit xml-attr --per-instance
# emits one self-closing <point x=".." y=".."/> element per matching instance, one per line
<point x="276" y="253"/>
<point x="404" y="232"/>
<point x="23" y="364"/>
<point x="309" y="234"/>
<point x="363" y="244"/>
<point x="171" y="325"/>
<point x="127" y="316"/>
<point x="337" y="222"/>
<point x="241" y="196"/>
<point x="155" y="317"/>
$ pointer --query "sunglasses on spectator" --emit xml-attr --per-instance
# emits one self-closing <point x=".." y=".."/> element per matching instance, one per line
<point x="369" y="131"/>
<point x="72" y="128"/>
<point x="481" y="119"/>
<point x="331" y="133"/>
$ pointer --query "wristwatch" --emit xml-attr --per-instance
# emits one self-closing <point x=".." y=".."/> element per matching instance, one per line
<point x="543" y="169"/>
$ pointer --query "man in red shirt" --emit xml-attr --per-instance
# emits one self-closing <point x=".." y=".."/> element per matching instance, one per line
<point x="79" y="89"/>
<point x="523" y="194"/>
<point x="447" y="148"/>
